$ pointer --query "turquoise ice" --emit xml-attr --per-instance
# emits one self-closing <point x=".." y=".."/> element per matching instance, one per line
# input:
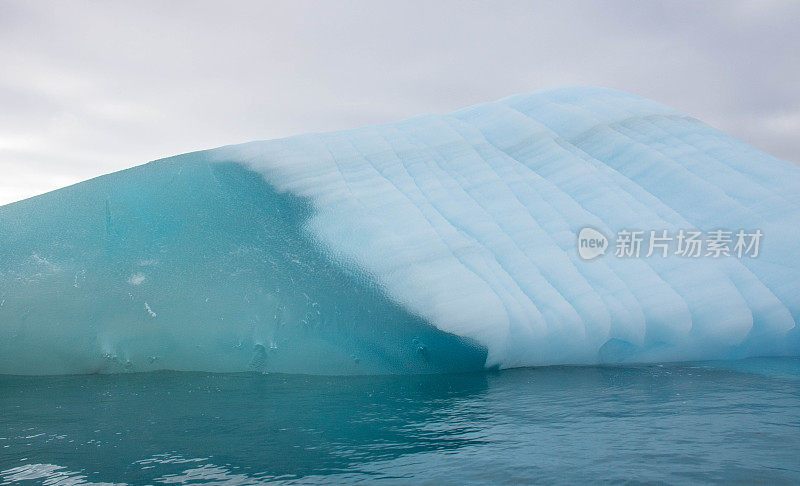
<point x="439" y="243"/>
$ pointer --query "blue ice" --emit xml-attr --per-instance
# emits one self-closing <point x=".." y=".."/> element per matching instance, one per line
<point x="438" y="243"/>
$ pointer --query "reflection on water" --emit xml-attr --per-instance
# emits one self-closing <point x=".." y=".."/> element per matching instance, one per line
<point x="676" y="424"/>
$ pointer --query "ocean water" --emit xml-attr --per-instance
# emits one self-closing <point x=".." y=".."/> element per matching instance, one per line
<point x="724" y="422"/>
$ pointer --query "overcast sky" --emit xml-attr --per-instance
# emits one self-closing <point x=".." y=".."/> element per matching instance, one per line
<point x="89" y="87"/>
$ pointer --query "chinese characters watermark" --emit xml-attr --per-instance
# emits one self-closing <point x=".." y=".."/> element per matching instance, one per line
<point x="662" y="243"/>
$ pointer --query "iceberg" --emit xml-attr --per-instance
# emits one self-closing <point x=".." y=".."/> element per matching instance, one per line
<point x="441" y="243"/>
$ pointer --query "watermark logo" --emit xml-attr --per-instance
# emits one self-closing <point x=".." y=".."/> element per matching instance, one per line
<point x="591" y="243"/>
<point x="683" y="243"/>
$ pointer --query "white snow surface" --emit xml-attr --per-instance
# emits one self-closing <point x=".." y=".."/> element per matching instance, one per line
<point x="470" y="220"/>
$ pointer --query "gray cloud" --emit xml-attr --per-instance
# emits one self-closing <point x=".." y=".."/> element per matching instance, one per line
<point x="91" y="87"/>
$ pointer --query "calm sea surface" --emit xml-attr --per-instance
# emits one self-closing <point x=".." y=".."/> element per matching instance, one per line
<point x="729" y="422"/>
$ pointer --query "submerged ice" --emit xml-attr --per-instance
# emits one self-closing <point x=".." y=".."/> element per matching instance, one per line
<point x="438" y="243"/>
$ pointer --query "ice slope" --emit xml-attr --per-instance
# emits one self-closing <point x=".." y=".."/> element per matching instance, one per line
<point x="438" y="243"/>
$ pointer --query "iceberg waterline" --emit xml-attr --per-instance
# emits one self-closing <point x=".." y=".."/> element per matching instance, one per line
<point x="438" y="243"/>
